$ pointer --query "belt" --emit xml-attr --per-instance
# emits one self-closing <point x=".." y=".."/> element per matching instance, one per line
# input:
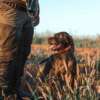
<point x="15" y="5"/>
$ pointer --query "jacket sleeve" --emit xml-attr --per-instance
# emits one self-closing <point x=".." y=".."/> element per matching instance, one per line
<point x="34" y="10"/>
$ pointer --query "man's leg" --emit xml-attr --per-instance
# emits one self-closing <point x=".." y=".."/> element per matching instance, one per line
<point x="7" y="47"/>
<point x="11" y="26"/>
<point x="24" y="48"/>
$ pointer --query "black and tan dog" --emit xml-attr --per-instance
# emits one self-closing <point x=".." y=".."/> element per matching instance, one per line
<point x="62" y="63"/>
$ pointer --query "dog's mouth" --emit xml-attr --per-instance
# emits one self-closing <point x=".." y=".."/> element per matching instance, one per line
<point x="55" y="45"/>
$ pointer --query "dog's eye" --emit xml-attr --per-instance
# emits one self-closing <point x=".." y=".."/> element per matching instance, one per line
<point x="53" y="42"/>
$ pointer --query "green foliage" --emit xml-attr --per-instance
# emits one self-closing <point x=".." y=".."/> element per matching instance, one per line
<point x="79" y="42"/>
<point x="38" y="40"/>
<point x="86" y="43"/>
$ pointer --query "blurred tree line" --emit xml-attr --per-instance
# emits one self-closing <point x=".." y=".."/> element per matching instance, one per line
<point x="82" y="42"/>
<point x="87" y="42"/>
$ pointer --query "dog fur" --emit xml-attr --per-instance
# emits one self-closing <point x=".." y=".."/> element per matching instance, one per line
<point x="63" y="63"/>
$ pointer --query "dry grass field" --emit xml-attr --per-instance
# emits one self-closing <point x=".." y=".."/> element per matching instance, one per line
<point x="87" y="84"/>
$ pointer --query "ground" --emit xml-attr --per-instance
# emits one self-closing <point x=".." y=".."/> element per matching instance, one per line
<point x="88" y="85"/>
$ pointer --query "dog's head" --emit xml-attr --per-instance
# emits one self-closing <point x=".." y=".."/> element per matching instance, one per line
<point x="59" y="41"/>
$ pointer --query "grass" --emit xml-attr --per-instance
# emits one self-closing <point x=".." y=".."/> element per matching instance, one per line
<point x="52" y="89"/>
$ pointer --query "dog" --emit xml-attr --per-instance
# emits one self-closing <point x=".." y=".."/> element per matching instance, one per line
<point x="60" y="66"/>
<point x="62" y="62"/>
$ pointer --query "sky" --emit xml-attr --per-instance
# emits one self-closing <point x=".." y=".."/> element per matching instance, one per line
<point x="78" y="17"/>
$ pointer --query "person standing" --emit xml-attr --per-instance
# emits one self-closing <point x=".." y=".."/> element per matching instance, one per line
<point x="16" y="33"/>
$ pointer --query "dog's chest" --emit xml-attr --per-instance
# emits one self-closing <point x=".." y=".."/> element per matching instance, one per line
<point x="58" y="66"/>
